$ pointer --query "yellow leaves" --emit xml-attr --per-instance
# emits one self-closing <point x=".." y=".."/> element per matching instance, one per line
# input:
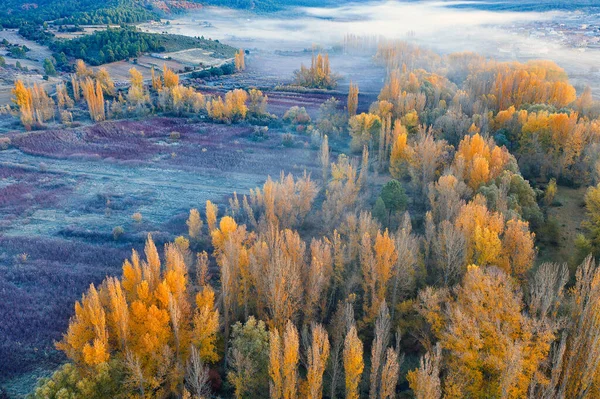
<point x="504" y="116"/>
<point x="353" y="363"/>
<point x="410" y="120"/>
<point x="136" y="78"/>
<point x="136" y="94"/>
<point x="119" y="311"/>
<point x="482" y="229"/>
<point x="291" y="344"/>
<point x="319" y="74"/>
<point x="194" y="224"/>
<point x="147" y="317"/>
<point x="480" y="172"/>
<point x="132" y="274"/>
<point x="34" y="104"/>
<point x="175" y="274"/>
<point x="385" y="254"/>
<point x="81" y="70"/>
<point x="86" y="340"/>
<point x="286" y="202"/>
<point x="352" y="99"/>
<point x="156" y="81"/>
<point x="487" y="245"/>
<point x="401" y="153"/>
<point x="143" y="291"/>
<point x="492" y="242"/>
<point x="425" y="381"/>
<point x="23" y="99"/>
<point x="154" y="331"/>
<point x="484" y="327"/>
<point x="226" y="227"/>
<point x="106" y="82"/>
<point x="480" y="161"/>
<point x="206" y="325"/>
<point x="92" y="92"/>
<point x="518" y="252"/>
<point x="233" y="108"/>
<point x="275" y="365"/>
<point x="240" y="61"/>
<point x="22" y="94"/>
<point x="377" y="262"/>
<point x="171" y="79"/>
<point x="317" y="362"/>
<point x="178" y="98"/>
<point x="257" y="103"/>
<point x="393" y="87"/>
<point x="211" y="216"/>
<point x="283" y="362"/>
<point x="363" y="129"/>
<point x="95" y="353"/>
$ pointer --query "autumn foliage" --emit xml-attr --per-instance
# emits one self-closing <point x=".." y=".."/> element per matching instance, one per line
<point x="35" y="106"/>
<point x="240" y="60"/>
<point x="421" y="240"/>
<point x="146" y="320"/>
<point x="318" y="76"/>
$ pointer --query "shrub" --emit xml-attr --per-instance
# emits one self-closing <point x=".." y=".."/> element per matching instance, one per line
<point x="4" y="143"/>
<point x="287" y="140"/>
<point x="118" y="231"/>
<point x="260" y="133"/>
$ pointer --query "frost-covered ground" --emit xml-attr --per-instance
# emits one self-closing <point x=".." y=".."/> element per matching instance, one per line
<point x="62" y="192"/>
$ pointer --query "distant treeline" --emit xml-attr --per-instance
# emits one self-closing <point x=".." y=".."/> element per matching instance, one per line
<point x="122" y="43"/>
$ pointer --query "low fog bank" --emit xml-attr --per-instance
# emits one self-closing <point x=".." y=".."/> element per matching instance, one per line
<point x="444" y="26"/>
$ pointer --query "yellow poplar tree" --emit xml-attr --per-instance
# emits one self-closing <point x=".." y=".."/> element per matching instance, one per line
<point x="194" y="224"/>
<point x="240" y="61"/>
<point x="24" y="100"/>
<point x="352" y="99"/>
<point x="353" y="363"/>
<point x="317" y="361"/>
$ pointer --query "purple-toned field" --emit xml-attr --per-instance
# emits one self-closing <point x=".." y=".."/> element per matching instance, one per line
<point x="62" y="192"/>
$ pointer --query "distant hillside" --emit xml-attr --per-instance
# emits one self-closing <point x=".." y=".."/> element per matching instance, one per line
<point x="81" y="12"/>
<point x="94" y="12"/>
<point x="527" y="5"/>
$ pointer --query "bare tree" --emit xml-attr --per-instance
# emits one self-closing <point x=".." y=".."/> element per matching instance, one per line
<point x="196" y="376"/>
<point x="382" y="335"/>
<point x="135" y="376"/>
<point x="389" y="374"/>
<point x="581" y="363"/>
<point x="546" y="289"/>
<point x="407" y="247"/>
<point x="450" y="252"/>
